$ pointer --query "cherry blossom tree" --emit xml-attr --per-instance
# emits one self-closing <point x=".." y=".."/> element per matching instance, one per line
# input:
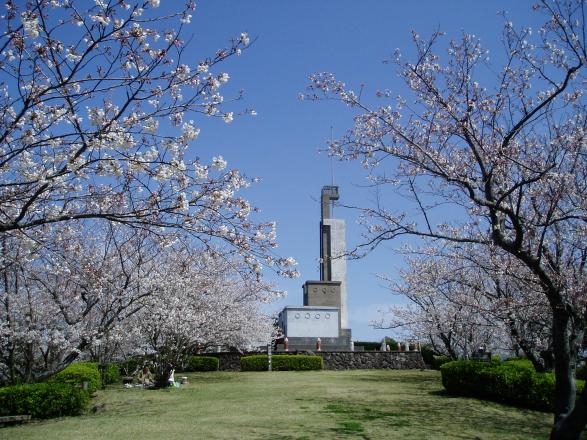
<point x="202" y="299"/>
<point x="442" y="311"/>
<point x="66" y="290"/>
<point x="122" y="291"/>
<point x="462" y="297"/>
<point x="98" y="111"/>
<point x="506" y="147"/>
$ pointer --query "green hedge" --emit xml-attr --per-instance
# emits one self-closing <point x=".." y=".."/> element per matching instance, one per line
<point x="109" y="373"/>
<point x="43" y="400"/>
<point x="513" y="382"/>
<point x="76" y="374"/>
<point x="202" y="363"/>
<point x="254" y="363"/>
<point x="520" y="363"/>
<point x="282" y="362"/>
<point x="439" y="361"/>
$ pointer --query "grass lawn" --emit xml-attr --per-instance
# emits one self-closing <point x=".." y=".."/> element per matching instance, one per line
<point x="361" y="404"/>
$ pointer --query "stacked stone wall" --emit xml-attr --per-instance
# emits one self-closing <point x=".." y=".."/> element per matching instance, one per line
<point x="228" y="361"/>
<point x="340" y="360"/>
<point x="357" y="360"/>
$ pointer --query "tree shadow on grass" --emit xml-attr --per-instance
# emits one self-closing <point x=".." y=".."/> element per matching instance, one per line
<point x="402" y="378"/>
<point x="437" y="414"/>
<point x="287" y="437"/>
<point x="131" y="408"/>
<point x="197" y="378"/>
<point x="478" y="416"/>
<point x="440" y="393"/>
<point x="482" y="401"/>
<point x="351" y="416"/>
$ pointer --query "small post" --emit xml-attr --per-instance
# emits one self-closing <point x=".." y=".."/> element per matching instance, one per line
<point x="269" y="357"/>
<point x="286" y="344"/>
<point x="407" y="346"/>
<point x="399" y="346"/>
<point x="352" y="346"/>
<point x="319" y="344"/>
<point x="418" y="348"/>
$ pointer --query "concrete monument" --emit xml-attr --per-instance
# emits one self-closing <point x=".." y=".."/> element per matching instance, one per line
<point x="324" y="313"/>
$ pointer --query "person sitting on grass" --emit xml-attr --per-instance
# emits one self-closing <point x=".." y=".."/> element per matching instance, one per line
<point x="145" y="377"/>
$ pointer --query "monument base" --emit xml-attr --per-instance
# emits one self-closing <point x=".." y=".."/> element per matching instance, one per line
<point x="340" y="343"/>
<point x="310" y="322"/>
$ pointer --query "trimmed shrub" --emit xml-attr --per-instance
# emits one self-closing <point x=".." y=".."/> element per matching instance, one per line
<point x="43" y="400"/>
<point x="516" y="385"/>
<point x="514" y="382"/>
<point x="297" y="363"/>
<point x="281" y="362"/>
<point x="257" y="362"/>
<point x="110" y="373"/>
<point x="540" y="394"/>
<point x="462" y="377"/>
<point x="520" y="363"/>
<point x="202" y="363"/>
<point x="439" y="361"/>
<point x="76" y="374"/>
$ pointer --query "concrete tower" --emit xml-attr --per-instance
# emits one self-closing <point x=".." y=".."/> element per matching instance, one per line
<point x="324" y="313"/>
<point x="333" y="248"/>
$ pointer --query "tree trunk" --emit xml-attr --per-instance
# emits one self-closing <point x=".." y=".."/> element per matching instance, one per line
<point x="540" y="362"/>
<point x="571" y="426"/>
<point x="548" y="359"/>
<point x="162" y="377"/>
<point x="447" y="341"/>
<point x="570" y="418"/>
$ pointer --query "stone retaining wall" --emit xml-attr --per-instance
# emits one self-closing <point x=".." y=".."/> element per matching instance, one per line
<point x="341" y="360"/>
<point x="357" y="360"/>
<point x="229" y="361"/>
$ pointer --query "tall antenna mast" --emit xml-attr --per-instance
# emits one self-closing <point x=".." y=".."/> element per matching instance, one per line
<point x="331" y="165"/>
<point x="331" y="172"/>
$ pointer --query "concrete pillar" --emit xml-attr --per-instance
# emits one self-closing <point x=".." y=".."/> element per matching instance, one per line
<point x="335" y="262"/>
<point x="333" y="249"/>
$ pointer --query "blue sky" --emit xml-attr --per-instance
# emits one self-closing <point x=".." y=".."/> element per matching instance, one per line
<point x="281" y="144"/>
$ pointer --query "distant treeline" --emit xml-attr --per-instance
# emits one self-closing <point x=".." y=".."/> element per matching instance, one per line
<point x="376" y="346"/>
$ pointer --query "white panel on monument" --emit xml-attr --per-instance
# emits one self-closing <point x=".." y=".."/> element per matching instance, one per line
<point x="310" y="322"/>
<point x="338" y="262"/>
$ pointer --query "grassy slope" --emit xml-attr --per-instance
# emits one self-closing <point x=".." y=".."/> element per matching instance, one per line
<point x="364" y="404"/>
